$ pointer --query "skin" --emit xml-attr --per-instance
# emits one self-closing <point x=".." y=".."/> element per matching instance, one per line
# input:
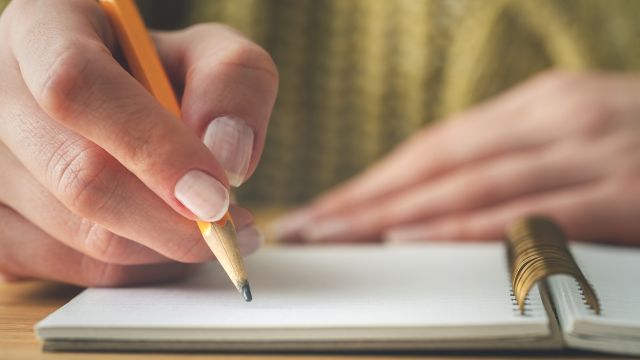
<point x="89" y="160"/>
<point x="566" y="145"/>
<point x="86" y="199"/>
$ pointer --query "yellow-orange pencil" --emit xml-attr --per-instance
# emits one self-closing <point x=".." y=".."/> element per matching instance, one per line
<point x="146" y="67"/>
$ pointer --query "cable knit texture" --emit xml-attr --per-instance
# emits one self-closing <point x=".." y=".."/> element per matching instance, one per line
<point x="359" y="76"/>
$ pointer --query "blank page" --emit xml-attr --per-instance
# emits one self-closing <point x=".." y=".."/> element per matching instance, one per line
<point x="446" y="291"/>
<point x="614" y="273"/>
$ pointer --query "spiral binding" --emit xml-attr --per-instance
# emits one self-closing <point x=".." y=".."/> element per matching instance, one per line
<point x="537" y="249"/>
<point x="583" y="297"/>
<point x="515" y="304"/>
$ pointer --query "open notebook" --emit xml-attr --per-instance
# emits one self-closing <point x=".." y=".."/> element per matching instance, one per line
<point x="435" y="296"/>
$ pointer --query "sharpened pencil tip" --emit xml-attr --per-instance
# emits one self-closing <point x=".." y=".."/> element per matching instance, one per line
<point x="246" y="292"/>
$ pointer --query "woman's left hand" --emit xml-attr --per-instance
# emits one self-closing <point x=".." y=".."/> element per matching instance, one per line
<point x="563" y="144"/>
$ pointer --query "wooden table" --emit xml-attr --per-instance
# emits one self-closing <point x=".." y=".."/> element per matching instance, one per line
<point x="23" y="304"/>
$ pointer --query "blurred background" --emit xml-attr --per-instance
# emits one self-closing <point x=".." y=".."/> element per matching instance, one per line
<point x="359" y="76"/>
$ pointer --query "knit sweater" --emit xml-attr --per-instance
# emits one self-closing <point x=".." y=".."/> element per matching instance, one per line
<point x="359" y="76"/>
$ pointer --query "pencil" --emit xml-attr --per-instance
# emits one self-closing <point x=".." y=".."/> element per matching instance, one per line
<point x="145" y="65"/>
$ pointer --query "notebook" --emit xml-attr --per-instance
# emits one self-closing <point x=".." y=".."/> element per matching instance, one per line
<point x="422" y="297"/>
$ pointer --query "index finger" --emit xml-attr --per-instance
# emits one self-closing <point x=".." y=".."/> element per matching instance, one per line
<point x="73" y="76"/>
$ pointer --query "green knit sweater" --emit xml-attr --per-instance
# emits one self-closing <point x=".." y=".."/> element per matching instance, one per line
<point x="359" y="76"/>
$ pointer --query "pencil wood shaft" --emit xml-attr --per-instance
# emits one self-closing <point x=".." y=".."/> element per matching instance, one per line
<point x="144" y="62"/>
<point x="221" y="239"/>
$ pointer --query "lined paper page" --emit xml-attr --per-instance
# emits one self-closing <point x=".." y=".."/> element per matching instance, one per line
<point x="445" y="291"/>
<point x="614" y="273"/>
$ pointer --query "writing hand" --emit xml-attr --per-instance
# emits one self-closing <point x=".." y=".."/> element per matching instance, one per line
<point x="99" y="185"/>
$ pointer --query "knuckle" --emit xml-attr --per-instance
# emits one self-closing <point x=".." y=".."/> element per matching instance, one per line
<point x="83" y="178"/>
<point x="68" y="78"/>
<point x="576" y="98"/>
<point x="248" y="55"/>
<point x="100" y="243"/>
<point x="146" y="144"/>
<point x="592" y="112"/>
<point x="239" y="55"/>
<point x="555" y="79"/>
<point x="208" y="28"/>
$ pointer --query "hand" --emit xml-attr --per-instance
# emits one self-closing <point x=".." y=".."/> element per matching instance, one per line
<point x="99" y="185"/>
<point x="565" y="145"/>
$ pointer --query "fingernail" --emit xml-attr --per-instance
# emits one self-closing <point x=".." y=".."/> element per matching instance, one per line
<point x="406" y="235"/>
<point x="205" y="196"/>
<point x="289" y="226"/>
<point x="231" y="141"/>
<point x="325" y="230"/>
<point x="249" y="239"/>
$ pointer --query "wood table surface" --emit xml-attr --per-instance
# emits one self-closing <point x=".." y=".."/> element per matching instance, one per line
<point x="22" y="304"/>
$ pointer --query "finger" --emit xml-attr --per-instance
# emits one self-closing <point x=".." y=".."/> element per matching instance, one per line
<point x="20" y="191"/>
<point x="27" y="252"/>
<point x="248" y="235"/>
<point x="230" y="85"/>
<point x="74" y="78"/>
<point x="476" y="186"/>
<point x="89" y="182"/>
<point x="594" y="212"/>
<point x="507" y="124"/>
